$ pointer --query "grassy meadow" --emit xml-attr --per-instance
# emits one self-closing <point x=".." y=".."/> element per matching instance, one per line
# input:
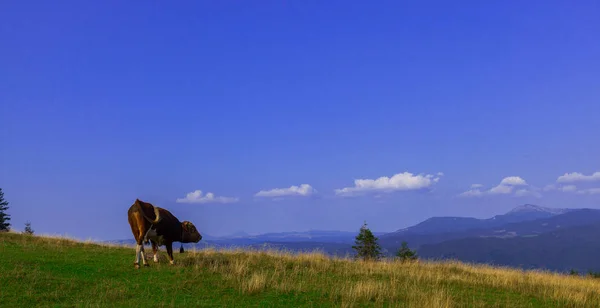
<point x="58" y="272"/>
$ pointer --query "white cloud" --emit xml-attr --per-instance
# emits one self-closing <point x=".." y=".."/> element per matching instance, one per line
<point x="501" y="189"/>
<point x="197" y="197"/>
<point x="398" y="182"/>
<point x="506" y="187"/>
<point x="507" y="184"/>
<point x="593" y="191"/>
<point x="513" y="180"/>
<point x="563" y="183"/>
<point x="302" y="190"/>
<point x="589" y="191"/>
<point x="578" y="177"/>
<point x="565" y="188"/>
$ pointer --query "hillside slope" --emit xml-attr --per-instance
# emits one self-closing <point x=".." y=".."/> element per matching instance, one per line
<point x="37" y="271"/>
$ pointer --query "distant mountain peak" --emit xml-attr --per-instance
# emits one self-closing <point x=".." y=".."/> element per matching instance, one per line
<point x="536" y="208"/>
<point x="520" y="213"/>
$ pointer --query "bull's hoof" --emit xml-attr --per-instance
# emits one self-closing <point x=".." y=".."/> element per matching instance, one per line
<point x="136" y="265"/>
<point x="146" y="264"/>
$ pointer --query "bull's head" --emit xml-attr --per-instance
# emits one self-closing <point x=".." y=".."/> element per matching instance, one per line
<point x="190" y="234"/>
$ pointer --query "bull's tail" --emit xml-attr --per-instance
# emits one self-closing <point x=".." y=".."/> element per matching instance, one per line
<point x="156" y="213"/>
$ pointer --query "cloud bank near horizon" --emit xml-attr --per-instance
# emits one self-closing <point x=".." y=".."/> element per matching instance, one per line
<point x="304" y="190"/>
<point x="197" y="197"/>
<point x="510" y="185"/>
<point x="564" y="183"/>
<point x="398" y="182"/>
<point x="578" y="177"/>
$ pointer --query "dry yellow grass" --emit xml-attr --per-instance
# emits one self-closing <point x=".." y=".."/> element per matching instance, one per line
<point x="418" y="284"/>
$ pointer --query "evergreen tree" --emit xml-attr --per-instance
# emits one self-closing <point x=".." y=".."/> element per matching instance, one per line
<point x="4" y="217"/>
<point x="405" y="253"/>
<point x="28" y="229"/>
<point x="366" y="246"/>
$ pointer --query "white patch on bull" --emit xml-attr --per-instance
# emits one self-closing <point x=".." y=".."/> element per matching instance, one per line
<point x="152" y="235"/>
<point x="143" y="254"/>
<point x="172" y="262"/>
<point x="138" y="251"/>
<point x="156" y="257"/>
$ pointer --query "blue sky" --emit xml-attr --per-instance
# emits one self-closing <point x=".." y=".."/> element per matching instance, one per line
<point x="106" y="102"/>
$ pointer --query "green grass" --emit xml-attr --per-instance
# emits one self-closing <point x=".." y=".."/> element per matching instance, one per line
<point x="53" y="272"/>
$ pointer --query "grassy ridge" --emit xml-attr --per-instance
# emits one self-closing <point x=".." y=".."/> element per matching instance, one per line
<point x="41" y="271"/>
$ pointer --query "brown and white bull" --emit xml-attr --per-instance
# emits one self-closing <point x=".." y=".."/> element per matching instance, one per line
<point x="160" y="227"/>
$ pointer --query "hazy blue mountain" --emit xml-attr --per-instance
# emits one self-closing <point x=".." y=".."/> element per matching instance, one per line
<point x="572" y="247"/>
<point x="570" y="218"/>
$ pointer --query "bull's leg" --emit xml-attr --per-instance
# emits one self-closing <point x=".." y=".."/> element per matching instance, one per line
<point x="155" y="251"/>
<point x="170" y="252"/>
<point x="143" y="254"/>
<point x="138" y="250"/>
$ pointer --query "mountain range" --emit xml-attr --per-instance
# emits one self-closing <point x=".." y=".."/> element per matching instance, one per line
<point x="521" y="213"/>
<point x="562" y="249"/>
<point x="514" y="223"/>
